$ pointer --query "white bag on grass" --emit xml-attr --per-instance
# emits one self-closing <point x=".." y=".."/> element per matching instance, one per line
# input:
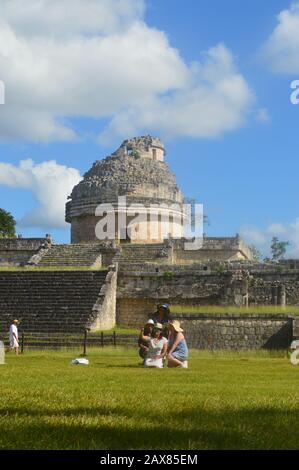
<point x="294" y="357"/>
<point x="80" y="360"/>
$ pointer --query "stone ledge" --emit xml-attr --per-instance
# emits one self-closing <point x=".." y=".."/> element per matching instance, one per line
<point x="235" y="316"/>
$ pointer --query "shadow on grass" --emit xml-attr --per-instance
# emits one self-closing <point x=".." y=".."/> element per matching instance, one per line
<point x="119" y="366"/>
<point x="126" y="428"/>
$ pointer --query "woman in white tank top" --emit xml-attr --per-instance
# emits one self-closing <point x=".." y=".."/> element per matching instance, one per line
<point x="157" y="347"/>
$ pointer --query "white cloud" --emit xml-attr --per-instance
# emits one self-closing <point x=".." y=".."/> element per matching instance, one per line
<point x="261" y="238"/>
<point x="70" y="17"/>
<point x="281" y="50"/>
<point x="277" y="229"/>
<point x="97" y="58"/>
<point x="255" y="236"/>
<point x="50" y="184"/>
<point x="215" y="99"/>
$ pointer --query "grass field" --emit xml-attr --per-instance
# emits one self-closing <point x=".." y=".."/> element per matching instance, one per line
<point x="222" y="309"/>
<point x="225" y="400"/>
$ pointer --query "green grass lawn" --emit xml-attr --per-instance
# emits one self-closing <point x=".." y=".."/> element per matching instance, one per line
<point x="118" y="330"/>
<point x="222" y="309"/>
<point x="223" y="401"/>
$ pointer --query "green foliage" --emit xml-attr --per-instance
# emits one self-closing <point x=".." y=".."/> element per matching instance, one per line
<point x="168" y="275"/>
<point x="135" y="154"/>
<point x="7" y="224"/>
<point x="278" y="249"/>
<point x="225" y="400"/>
<point x="220" y="269"/>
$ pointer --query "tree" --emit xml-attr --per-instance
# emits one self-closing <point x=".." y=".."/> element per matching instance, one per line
<point x="278" y="249"/>
<point x="256" y="254"/>
<point x="7" y="224"/>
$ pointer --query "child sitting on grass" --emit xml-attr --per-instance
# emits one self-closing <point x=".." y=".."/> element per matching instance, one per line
<point x="157" y="347"/>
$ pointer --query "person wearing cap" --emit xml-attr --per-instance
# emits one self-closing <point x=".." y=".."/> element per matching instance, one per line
<point x="14" y="336"/>
<point x="163" y="316"/>
<point x="146" y="331"/>
<point x="177" y="353"/>
<point x="157" y="347"/>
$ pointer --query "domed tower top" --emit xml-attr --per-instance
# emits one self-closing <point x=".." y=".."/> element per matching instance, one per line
<point x="144" y="147"/>
<point x="136" y="170"/>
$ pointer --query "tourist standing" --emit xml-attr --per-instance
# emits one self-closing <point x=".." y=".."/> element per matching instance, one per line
<point x="177" y="353"/>
<point x="14" y="336"/>
<point x="2" y="353"/>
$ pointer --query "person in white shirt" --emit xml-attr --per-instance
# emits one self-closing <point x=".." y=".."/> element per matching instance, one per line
<point x="14" y="336"/>
<point x="157" y="347"/>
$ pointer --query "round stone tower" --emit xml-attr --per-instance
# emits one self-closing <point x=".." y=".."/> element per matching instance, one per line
<point x="136" y="187"/>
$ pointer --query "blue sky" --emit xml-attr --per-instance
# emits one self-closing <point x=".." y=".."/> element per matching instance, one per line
<point x="240" y="160"/>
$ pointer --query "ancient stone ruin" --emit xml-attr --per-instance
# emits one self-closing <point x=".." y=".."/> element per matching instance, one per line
<point x="121" y="280"/>
<point x="136" y="171"/>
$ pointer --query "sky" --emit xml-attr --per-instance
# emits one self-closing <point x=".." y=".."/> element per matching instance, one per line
<point x="212" y="79"/>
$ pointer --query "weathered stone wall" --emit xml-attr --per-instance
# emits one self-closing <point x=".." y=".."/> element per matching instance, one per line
<point x="18" y="251"/>
<point x="189" y="257"/>
<point x="104" y="310"/>
<point x="208" y="331"/>
<point x="155" y="253"/>
<point x="238" y="331"/>
<point x="170" y="251"/>
<point x="213" y="249"/>
<point x="85" y="254"/>
<point x="133" y="313"/>
<point x="144" y="146"/>
<point x="22" y="244"/>
<point x="146" y="230"/>
<point x="176" y="285"/>
<point x="211" y="285"/>
<point x="142" y="287"/>
<point x="83" y="229"/>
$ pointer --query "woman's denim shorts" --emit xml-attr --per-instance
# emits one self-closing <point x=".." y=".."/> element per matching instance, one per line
<point x="180" y="356"/>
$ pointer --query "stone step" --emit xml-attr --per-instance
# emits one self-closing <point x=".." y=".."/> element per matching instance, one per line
<point x="142" y="253"/>
<point x="72" y="255"/>
<point x="47" y="301"/>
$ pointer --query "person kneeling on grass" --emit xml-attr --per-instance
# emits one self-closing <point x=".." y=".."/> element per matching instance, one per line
<point x="143" y="345"/>
<point x="177" y="354"/>
<point x="157" y="347"/>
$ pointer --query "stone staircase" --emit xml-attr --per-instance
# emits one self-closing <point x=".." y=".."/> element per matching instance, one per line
<point x="147" y="253"/>
<point x="84" y="254"/>
<point x="49" y="301"/>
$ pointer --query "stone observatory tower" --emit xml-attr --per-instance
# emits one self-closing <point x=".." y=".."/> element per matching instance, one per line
<point x="132" y="192"/>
